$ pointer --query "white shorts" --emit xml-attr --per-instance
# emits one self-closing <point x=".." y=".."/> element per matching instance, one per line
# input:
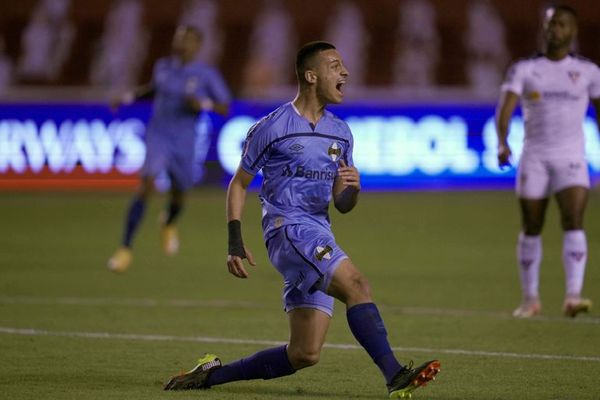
<point x="539" y="178"/>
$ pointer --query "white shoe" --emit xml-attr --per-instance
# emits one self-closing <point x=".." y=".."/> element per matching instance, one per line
<point x="121" y="260"/>
<point x="528" y="309"/>
<point x="170" y="239"/>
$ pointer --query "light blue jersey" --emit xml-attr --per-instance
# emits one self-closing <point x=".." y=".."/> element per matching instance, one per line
<point x="171" y="134"/>
<point x="299" y="164"/>
<point x="173" y="83"/>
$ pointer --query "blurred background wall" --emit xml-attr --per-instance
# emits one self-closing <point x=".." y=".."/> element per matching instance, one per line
<point x="394" y="48"/>
<point x="425" y="76"/>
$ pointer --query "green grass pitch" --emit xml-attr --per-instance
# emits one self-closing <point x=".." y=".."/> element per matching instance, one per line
<point x="441" y="266"/>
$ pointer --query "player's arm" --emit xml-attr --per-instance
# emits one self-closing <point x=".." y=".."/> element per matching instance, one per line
<point x="346" y="187"/>
<point x="236" y="199"/>
<point x="504" y="111"/>
<point x="130" y="96"/>
<point x="206" y="104"/>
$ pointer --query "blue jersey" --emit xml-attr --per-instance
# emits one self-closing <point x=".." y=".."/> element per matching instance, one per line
<point x="299" y="164"/>
<point x="173" y="83"/>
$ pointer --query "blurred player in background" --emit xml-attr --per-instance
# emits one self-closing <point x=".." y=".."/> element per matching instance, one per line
<point x="305" y="154"/>
<point x="182" y="87"/>
<point x="554" y="88"/>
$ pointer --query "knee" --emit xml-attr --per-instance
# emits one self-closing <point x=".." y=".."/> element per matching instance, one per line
<point x="358" y="289"/>
<point x="361" y="286"/>
<point x="303" y="357"/>
<point x="571" y="222"/>
<point x="533" y="228"/>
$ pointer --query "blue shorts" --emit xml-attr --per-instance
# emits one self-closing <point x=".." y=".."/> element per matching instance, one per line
<point x="306" y="256"/>
<point x="175" y="158"/>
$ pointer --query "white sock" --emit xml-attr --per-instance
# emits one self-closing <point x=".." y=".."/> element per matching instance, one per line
<point x="529" y="256"/>
<point x="574" y="259"/>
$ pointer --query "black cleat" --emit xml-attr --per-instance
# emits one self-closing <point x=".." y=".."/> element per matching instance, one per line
<point x="409" y="379"/>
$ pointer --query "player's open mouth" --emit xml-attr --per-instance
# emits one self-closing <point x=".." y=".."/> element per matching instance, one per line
<point x="339" y="86"/>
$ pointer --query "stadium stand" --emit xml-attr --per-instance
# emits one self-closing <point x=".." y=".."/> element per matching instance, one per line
<point x="452" y="23"/>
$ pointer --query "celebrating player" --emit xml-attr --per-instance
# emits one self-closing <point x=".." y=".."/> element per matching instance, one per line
<point x="305" y="153"/>
<point x="182" y="87"/>
<point x="554" y="88"/>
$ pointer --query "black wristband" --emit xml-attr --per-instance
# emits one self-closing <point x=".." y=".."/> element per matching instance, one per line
<point x="236" y="245"/>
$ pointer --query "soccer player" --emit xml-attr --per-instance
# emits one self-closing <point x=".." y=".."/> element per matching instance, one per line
<point x="305" y="154"/>
<point x="182" y="87"/>
<point x="554" y="88"/>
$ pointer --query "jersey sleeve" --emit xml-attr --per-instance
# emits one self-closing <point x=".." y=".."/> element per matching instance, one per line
<point x="218" y="91"/>
<point x="348" y="157"/>
<point x="256" y="147"/>
<point x="594" y="89"/>
<point x="515" y="79"/>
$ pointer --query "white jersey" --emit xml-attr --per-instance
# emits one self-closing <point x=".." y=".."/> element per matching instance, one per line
<point x="554" y="100"/>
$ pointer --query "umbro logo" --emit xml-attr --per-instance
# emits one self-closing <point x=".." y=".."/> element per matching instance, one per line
<point x="296" y="148"/>
<point x="323" y="252"/>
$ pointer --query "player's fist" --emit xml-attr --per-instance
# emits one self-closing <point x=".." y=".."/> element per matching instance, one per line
<point x="349" y="175"/>
<point x="121" y="99"/>
<point x="504" y="154"/>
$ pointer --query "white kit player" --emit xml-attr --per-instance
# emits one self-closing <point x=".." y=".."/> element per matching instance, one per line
<point x="554" y="88"/>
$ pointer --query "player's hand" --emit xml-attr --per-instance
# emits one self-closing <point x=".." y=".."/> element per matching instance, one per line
<point x="236" y="266"/>
<point x="504" y="154"/>
<point x="121" y="99"/>
<point x="349" y="175"/>
<point x="198" y="105"/>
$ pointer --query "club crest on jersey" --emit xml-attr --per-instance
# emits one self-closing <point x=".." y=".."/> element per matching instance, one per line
<point x="574" y="76"/>
<point x="334" y="151"/>
<point x="323" y="252"/>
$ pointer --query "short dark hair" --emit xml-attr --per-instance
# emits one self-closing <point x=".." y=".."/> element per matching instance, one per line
<point x="306" y="53"/>
<point x="564" y="8"/>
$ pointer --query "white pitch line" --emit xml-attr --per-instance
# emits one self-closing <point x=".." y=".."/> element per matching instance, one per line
<point x="339" y="346"/>
<point x="224" y="303"/>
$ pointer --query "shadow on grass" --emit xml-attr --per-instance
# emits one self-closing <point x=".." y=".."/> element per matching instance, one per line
<point x="292" y="392"/>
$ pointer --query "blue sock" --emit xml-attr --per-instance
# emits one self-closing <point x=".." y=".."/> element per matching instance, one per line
<point x="368" y="328"/>
<point x="134" y="216"/>
<point x="266" y="364"/>
<point x="173" y="211"/>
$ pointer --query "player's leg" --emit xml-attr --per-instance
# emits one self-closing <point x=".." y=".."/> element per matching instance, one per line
<point x="529" y="254"/>
<point x="351" y="287"/>
<point x="180" y="171"/>
<point x="308" y="328"/>
<point x="169" y="233"/>
<point x="137" y="209"/>
<point x="122" y="258"/>
<point x="533" y="180"/>
<point x="572" y="202"/>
